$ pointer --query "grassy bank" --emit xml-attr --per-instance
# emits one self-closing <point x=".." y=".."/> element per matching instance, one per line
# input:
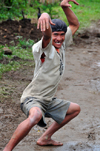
<point x="87" y="12"/>
<point x="19" y="57"/>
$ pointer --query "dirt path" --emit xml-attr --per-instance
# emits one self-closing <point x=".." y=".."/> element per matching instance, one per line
<point x="80" y="84"/>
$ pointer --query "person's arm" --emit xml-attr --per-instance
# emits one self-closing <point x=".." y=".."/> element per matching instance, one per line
<point x="44" y="24"/>
<point x="71" y="17"/>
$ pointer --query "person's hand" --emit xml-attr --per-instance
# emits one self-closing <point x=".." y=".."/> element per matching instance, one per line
<point x="66" y="3"/>
<point x="44" y="22"/>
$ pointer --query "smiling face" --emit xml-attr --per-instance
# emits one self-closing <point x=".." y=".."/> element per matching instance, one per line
<point x="58" y="38"/>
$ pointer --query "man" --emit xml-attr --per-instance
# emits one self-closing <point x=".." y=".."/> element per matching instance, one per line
<point x="38" y="101"/>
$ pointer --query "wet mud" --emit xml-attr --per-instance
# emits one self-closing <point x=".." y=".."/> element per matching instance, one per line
<point x="80" y="84"/>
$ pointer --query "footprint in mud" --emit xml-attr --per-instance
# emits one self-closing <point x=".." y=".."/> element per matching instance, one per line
<point x="91" y="136"/>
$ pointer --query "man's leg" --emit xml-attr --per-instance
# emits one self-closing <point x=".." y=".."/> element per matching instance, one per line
<point x="23" y="129"/>
<point x="45" y="139"/>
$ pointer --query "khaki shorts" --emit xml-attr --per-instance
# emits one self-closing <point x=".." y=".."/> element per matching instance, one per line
<point x="56" y="108"/>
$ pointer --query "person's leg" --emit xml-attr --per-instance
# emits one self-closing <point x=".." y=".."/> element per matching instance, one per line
<point x="23" y="128"/>
<point x="45" y="139"/>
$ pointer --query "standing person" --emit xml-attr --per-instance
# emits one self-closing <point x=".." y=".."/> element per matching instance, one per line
<point x="37" y="100"/>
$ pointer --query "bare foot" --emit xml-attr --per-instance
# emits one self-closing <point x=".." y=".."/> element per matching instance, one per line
<point x="48" y="142"/>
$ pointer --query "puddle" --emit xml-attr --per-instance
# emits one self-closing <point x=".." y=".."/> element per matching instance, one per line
<point x="95" y="84"/>
<point x="96" y="148"/>
<point x="98" y="64"/>
<point x="95" y="65"/>
<point x="70" y="146"/>
<point x="75" y="146"/>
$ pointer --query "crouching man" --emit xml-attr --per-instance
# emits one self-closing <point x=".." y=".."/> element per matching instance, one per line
<point x="38" y="100"/>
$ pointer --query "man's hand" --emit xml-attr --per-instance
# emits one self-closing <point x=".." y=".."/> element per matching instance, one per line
<point x="44" y="22"/>
<point x="66" y="3"/>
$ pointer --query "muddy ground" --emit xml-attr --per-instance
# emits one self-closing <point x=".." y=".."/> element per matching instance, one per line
<point x="80" y="84"/>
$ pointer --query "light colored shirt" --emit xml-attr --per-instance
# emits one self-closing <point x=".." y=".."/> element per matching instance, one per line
<point x="47" y="75"/>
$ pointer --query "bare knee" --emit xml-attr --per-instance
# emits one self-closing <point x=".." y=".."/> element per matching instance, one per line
<point x="35" y="115"/>
<point x="78" y="109"/>
<point x="74" y="108"/>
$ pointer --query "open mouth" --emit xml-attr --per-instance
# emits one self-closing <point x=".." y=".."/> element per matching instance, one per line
<point x="58" y="43"/>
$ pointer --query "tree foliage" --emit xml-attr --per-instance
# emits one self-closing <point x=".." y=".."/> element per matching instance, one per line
<point x="10" y="9"/>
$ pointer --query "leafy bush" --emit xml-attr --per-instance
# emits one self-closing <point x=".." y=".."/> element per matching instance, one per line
<point x="49" y="8"/>
<point x="25" y="44"/>
<point x="11" y="8"/>
<point x="1" y="52"/>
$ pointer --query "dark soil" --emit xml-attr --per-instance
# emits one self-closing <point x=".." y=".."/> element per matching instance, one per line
<point x="80" y="84"/>
<point x="10" y="31"/>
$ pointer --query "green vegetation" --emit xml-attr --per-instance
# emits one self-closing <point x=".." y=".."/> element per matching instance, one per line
<point x="87" y="12"/>
<point x="10" y="9"/>
<point x="22" y="55"/>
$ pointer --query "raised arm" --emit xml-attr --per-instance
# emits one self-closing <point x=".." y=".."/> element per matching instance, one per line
<point x="44" y="24"/>
<point x="71" y="17"/>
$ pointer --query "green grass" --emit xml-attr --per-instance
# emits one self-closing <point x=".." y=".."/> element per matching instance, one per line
<point x="86" y="12"/>
<point x="22" y="54"/>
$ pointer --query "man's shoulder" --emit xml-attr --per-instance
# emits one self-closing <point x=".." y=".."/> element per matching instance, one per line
<point x="37" y="44"/>
<point x="69" y="32"/>
<point x="68" y="37"/>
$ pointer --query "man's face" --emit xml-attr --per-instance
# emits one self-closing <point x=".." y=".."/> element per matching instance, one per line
<point x="57" y="38"/>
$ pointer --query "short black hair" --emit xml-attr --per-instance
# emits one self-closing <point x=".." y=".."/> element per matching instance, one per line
<point x="59" y="25"/>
